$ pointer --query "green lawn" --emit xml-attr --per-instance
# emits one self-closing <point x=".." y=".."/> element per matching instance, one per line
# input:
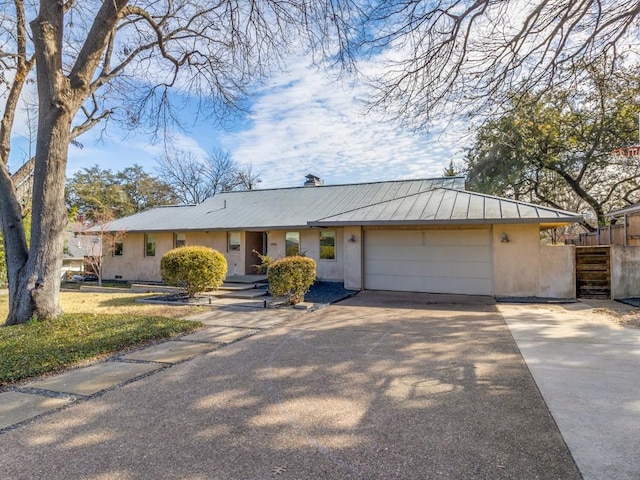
<point x="94" y="325"/>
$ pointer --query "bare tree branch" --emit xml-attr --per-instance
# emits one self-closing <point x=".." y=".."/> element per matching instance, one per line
<point x="475" y="55"/>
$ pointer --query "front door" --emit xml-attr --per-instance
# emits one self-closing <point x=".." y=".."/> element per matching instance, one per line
<point x="255" y="242"/>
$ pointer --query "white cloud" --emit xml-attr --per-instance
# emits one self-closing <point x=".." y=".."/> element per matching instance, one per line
<point x="302" y="123"/>
<point x="305" y="123"/>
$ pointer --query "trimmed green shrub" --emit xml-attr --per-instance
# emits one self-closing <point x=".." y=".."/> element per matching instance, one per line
<point x="265" y="260"/>
<point x="193" y="268"/>
<point x="292" y="277"/>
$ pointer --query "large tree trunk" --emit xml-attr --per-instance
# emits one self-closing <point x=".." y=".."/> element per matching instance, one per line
<point x="36" y="289"/>
<point x="34" y="281"/>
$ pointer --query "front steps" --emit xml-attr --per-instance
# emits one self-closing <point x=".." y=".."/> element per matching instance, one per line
<point x="245" y="287"/>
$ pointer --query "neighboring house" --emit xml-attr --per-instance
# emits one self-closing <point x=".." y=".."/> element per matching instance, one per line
<point x="426" y="235"/>
<point x="78" y="249"/>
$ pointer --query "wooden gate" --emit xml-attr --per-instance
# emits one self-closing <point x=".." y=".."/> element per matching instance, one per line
<point x="593" y="272"/>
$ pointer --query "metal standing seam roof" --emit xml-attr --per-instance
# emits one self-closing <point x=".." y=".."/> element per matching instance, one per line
<point x="446" y="206"/>
<point x="426" y="201"/>
<point x="630" y="209"/>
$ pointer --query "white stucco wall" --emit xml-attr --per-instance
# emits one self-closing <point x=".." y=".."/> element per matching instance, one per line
<point x="524" y="268"/>
<point x="625" y="271"/>
<point x="132" y="264"/>
<point x="516" y="264"/>
<point x="330" y="270"/>
<point x="557" y="271"/>
<point x="352" y="257"/>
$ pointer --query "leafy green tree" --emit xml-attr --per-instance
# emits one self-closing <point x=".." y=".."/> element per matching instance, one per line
<point x="143" y="190"/>
<point x="558" y="150"/>
<point x="96" y="191"/>
<point x="451" y="170"/>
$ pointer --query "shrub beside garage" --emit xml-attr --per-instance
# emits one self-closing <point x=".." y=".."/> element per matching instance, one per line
<point x="291" y="277"/>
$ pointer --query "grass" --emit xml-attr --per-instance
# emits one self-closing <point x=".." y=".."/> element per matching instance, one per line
<point x="93" y="325"/>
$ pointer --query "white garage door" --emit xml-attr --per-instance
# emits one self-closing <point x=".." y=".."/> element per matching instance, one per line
<point x="435" y="261"/>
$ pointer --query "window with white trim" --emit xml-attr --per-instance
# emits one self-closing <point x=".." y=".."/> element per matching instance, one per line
<point x="149" y="245"/>
<point x="233" y="242"/>
<point x="292" y="243"/>
<point x="327" y="244"/>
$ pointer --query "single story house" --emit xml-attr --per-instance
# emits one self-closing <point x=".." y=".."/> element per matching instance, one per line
<point x="77" y="249"/>
<point x="427" y="235"/>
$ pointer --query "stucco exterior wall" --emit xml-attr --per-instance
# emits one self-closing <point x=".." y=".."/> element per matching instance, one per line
<point x="557" y="271"/>
<point x="524" y="268"/>
<point x="132" y="264"/>
<point x="516" y="263"/>
<point x="625" y="271"/>
<point x="352" y="246"/>
<point x="330" y="270"/>
<point x="218" y="241"/>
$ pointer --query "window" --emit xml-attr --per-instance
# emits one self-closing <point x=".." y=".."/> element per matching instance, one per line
<point x="234" y="242"/>
<point x="117" y="248"/>
<point x="179" y="240"/>
<point x="149" y="245"/>
<point x="327" y="245"/>
<point x="292" y="243"/>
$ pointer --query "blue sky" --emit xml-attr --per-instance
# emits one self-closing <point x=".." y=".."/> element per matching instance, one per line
<point x="301" y="122"/>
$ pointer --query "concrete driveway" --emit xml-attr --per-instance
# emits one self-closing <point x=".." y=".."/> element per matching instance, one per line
<point x="380" y="386"/>
<point x="586" y="367"/>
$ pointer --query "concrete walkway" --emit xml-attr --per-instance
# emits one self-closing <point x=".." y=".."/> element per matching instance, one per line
<point x="588" y="371"/>
<point x="25" y="402"/>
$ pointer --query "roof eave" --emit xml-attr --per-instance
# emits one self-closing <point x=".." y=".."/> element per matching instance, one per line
<point x="218" y="229"/>
<point x="547" y="222"/>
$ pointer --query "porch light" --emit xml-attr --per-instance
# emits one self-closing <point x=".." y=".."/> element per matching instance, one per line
<point x="504" y="238"/>
<point x="352" y="239"/>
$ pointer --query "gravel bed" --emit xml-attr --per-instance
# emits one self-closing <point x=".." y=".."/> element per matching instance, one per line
<point x="328" y="292"/>
<point x="634" y="302"/>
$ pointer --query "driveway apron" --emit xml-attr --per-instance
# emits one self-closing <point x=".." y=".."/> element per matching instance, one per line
<point x="587" y="369"/>
<point x="380" y="386"/>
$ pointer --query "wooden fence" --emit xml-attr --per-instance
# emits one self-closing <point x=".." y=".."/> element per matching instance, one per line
<point x="609" y="235"/>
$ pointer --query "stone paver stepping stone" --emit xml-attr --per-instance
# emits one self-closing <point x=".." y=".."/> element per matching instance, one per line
<point x="16" y="407"/>
<point x="170" y="352"/>
<point x="219" y="334"/>
<point x="92" y="379"/>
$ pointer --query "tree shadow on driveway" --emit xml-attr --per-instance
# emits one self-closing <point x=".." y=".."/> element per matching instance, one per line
<point x="355" y="390"/>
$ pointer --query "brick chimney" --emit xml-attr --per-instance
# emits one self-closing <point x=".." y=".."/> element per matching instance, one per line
<point x="312" y="181"/>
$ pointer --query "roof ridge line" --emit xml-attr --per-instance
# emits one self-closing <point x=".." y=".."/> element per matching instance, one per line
<point x="337" y="185"/>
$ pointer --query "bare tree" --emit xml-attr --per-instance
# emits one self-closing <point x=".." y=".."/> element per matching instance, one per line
<point x="118" y="59"/>
<point x="248" y="178"/>
<point x="221" y="172"/>
<point x="193" y="180"/>
<point x="98" y="240"/>
<point x="469" y="56"/>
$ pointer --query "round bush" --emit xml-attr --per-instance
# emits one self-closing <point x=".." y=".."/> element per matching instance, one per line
<point x="292" y="277"/>
<point x="195" y="269"/>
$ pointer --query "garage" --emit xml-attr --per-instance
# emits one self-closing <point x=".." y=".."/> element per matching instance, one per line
<point x="434" y="261"/>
